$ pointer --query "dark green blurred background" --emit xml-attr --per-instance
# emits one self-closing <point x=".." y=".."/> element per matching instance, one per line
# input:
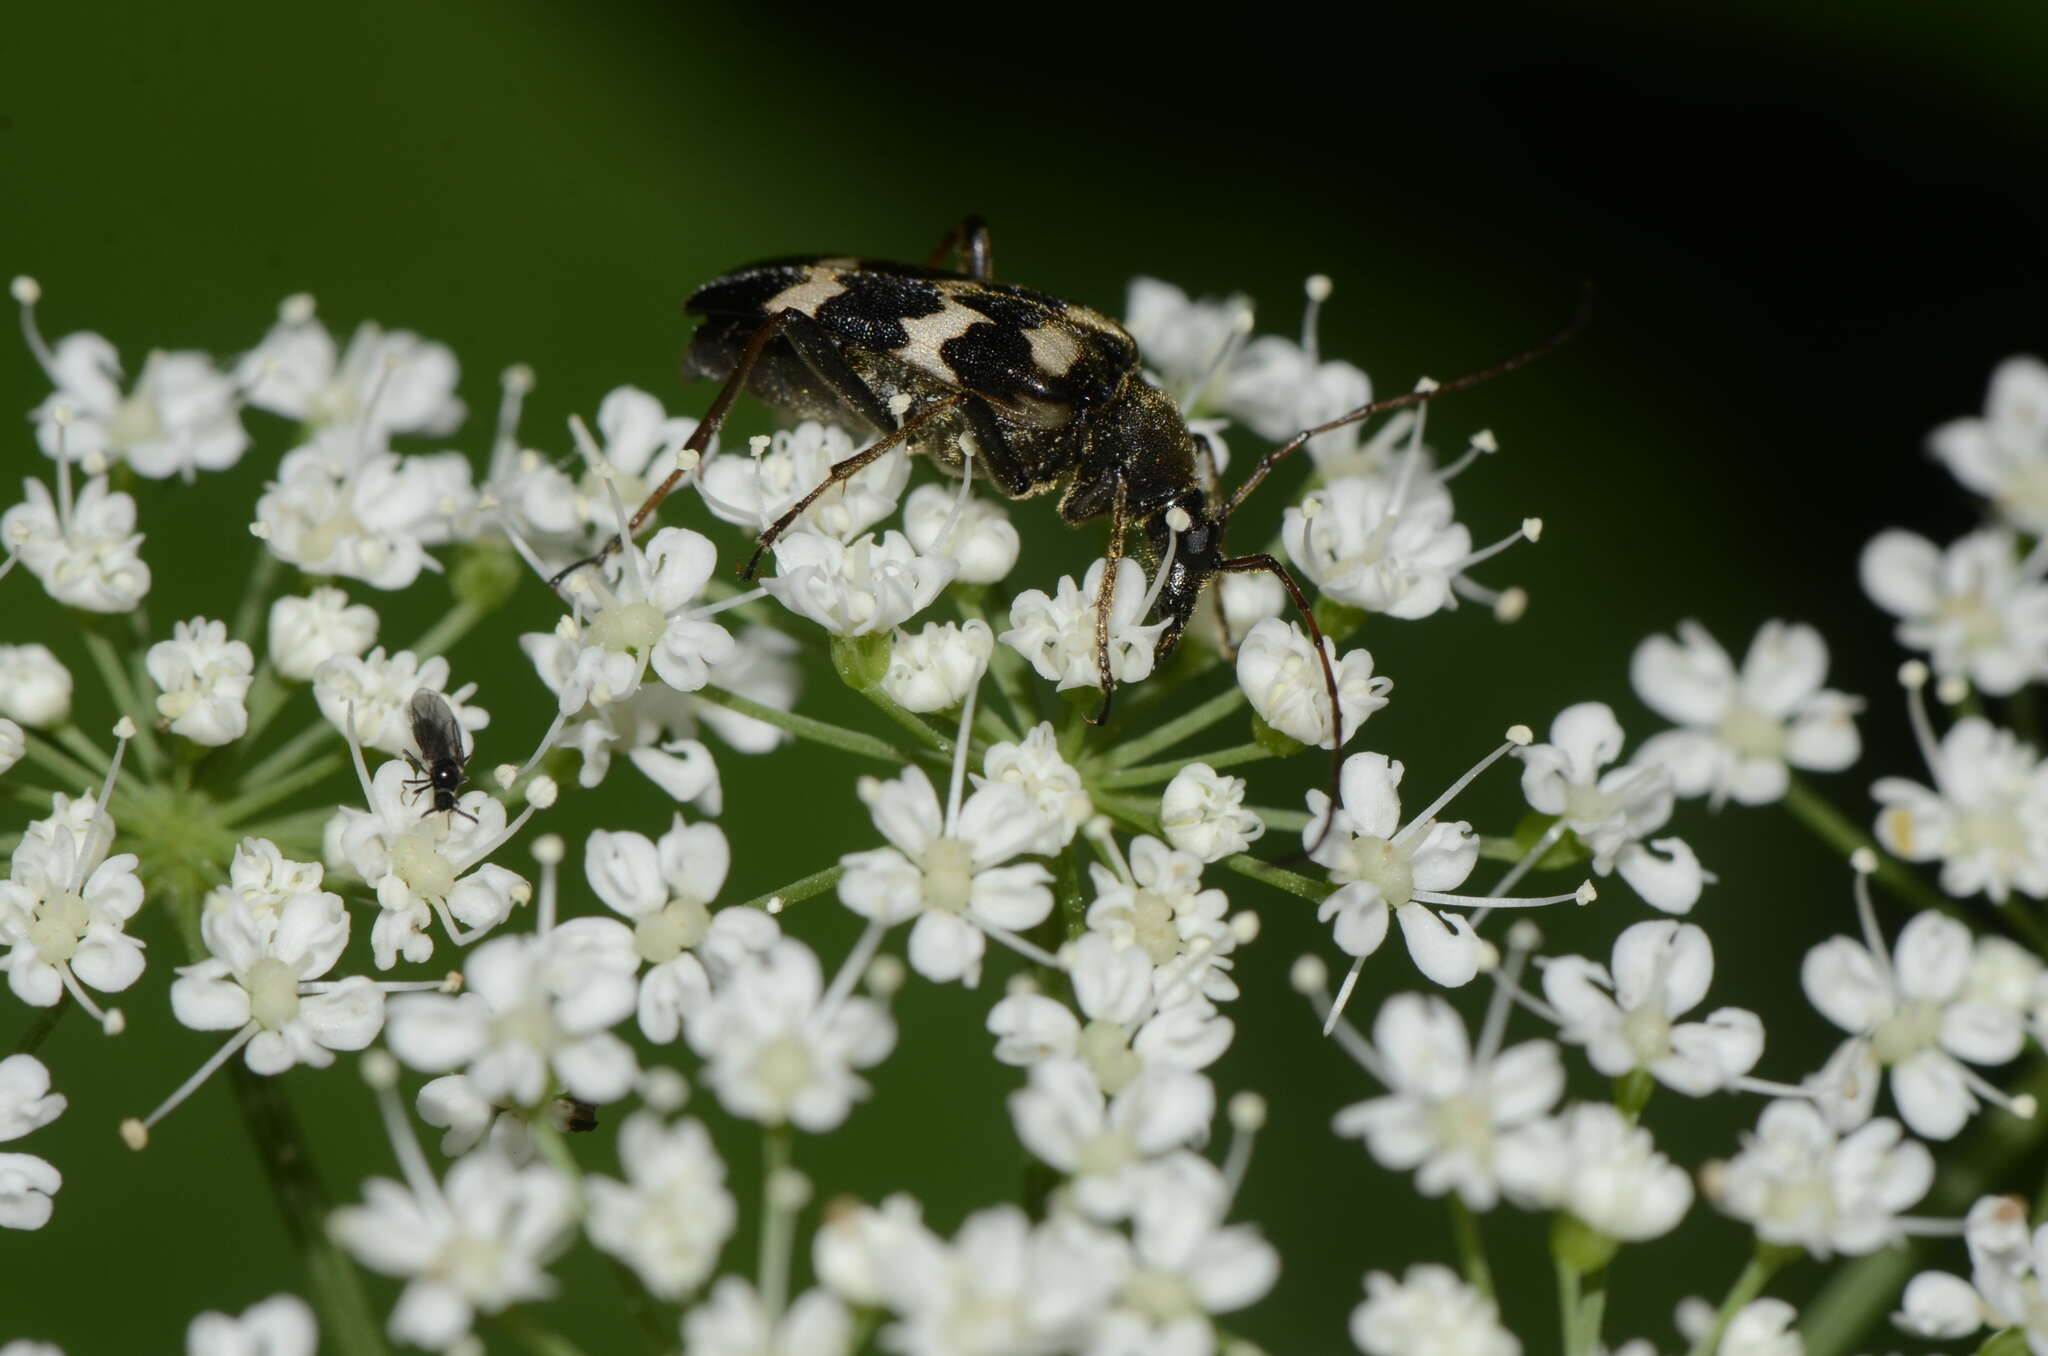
<point x="1815" y="229"/>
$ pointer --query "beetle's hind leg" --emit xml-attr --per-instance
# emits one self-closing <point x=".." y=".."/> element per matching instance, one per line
<point x="844" y="471"/>
<point x="968" y="246"/>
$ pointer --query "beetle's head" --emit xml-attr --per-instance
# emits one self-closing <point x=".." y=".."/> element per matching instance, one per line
<point x="1188" y="536"/>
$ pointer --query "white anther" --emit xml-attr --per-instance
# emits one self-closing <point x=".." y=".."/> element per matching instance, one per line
<point x="1248" y="1112"/>
<point x="296" y="309"/>
<point x="1427" y="384"/>
<point x="1309" y="975"/>
<point x="1586" y="893"/>
<point x="26" y="290"/>
<point x="505" y="774"/>
<point x="1022" y="985"/>
<point x="1484" y="441"/>
<point x="518" y="379"/>
<point x="380" y="1070"/>
<point x="758" y="444"/>
<point x="1863" y="861"/>
<point x="1525" y="935"/>
<point x="260" y="531"/>
<point x="885" y="977"/>
<point x="124" y="728"/>
<point x="1511" y="604"/>
<point x="548" y="849"/>
<point x="1913" y="675"/>
<point x="774" y="904"/>
<point x="1244" y="926"/>
<point x="2024" y="1106"/>
<point x="542" y="792"/>
<point x="789" y="1189"/>
<point x="133" y="1132"/>
<point x="94" y="463"/>
<point x="114" y="1022"/>
<point x="1532" y="529"/>
<point x="1521" y="736"/>
<point x="1178" y="520"/>
<point x="663" y="1089"/>
<point x="451" y="983"/>
<point x="1953" y="690"/>
<point x="1319" y="287"/>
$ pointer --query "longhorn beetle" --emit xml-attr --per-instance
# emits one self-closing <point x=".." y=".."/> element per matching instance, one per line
<point x="1034" y="393"/>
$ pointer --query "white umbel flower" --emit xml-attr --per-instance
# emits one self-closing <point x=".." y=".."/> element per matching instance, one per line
<point x="535" y="1010"/>
<point x="86" y="552"/>
<point x="641" y="446"/>
<point x="35" y="687"/>
<point x="1906" y="1008"/>
<point x="1156" y="901"/>
<point x="1742" y="731"/>
<point x="1461" y="1118"/>
<point x="1626" y="1015"/>
<point x="13" y="743"/>
<point x="375" y="692"/>
<point x="279" y="1326"/>
<point x="1978" y="609"/>
<point x="855" y="588"/>
<point x="1280" y="674"/>
<point x="1985" y="818"/>
<point x="264" y="979"/>
<point x="974" y="532"/>
<point x="672" y="1214"/>
<point x="26" y="1103"/>
<point x="1202" y="812"/>
<point x="204" y="678"/>
<point x="2003" y="455"/>
<point x="754" y="491"/>
<point x="949" y="868"/>
<point x="1002" y="1285"/>
<point x="1612" y="810"/>
<point x="373" y="521"/>
<point x="735" y="1322"/>
<point x="385" y="382"/>
<point x="1798" y="1183"/>
<point x="1186" y="340"/>
<point x="64" y="909"/>
<point x="181" y="416"/>
<point x="1428" y="1312"/>
<point x="1034" y="765"/>
<point x="1385" y="543"/>
<point x="477" y="1243"/>
<point x="1593" y="1162"/>
<point x="1102" y="1143"/>
<point x="774" y="1054"/>
<point x="307" y="632"/>
<point x="1057" y="633"/>
<point x="936" y="668"/>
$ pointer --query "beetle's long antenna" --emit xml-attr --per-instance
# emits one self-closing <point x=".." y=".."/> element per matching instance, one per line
<point x="1421" y="395"/>
<point x="1264" y="564"/>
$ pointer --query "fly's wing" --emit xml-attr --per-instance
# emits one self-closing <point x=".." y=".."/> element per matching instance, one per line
<point x="435" y="729"/>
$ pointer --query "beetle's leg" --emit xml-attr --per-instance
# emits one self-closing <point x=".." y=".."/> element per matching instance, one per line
<point x="844" y="470"/>
<point x="1105" y="596"/>
<point x="1265" y="564"/>
<point x="968" y="244"/>
<point x="1206" y="457"/>
<point x="699" y="439"/>
<point x="1417" y="397"/>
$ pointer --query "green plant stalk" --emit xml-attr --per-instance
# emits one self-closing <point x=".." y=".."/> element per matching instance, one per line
<point x="909" y="720"/>
<point x="291" y="753"/>
<point x="1141" y="814"/>
<point x="1286" y="821"/>
<point x="1154" y="773"/>
<point x="268" y="694"/>
<point x="1763" y="1264"/>
<point x="346" y="1319"/>
<point x="1192" y="722"/>
<point x="456" y="623"/>
<point x="82" y="747"/>
<point x="817" y="883"/>
<point x="535" y="1337"/>
<point x="1471" y="1246"/>
<point x="45" y="1022"/>
<point x="54" y="760"/>
<point x="266" y="794"/>
<point x="254" y="597"/>
<point x="806" y="727"/>
<point x="1568" y="1307"/>
<point x="126" y="698"/>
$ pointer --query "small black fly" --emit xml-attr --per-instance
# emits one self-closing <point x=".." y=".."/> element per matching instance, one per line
<point x="440" y="761"/>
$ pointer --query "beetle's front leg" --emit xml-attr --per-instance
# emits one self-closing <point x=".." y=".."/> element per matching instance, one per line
<point x="1105" y="596"/>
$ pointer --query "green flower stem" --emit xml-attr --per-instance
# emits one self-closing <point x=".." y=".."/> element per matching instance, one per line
<point x="1005" y="663"/>
<point x="268" y="694"/>
<point x="290" y="753"/>
<point x="254" y="597"/>
<point x="1763" y="1264"/>
<point x="772" y="1279"/>
<point x="300" y="824"/>
<point x="535" y="1337"/>
<point x="1192" y="722"/>
<point x="909" y="720"/>
<point x="1081" y="703"/>
<point x="455" y="623"/>
<point x="346" y="1320"/>
<point x="45" y="1022"/>
<point x="262" y="795"/>
<point x="1568" y="1306"/>
<point x="1142" y="814"/>
<point x="556" y="1151"/>
<point x="82" y="747"/>
<point x="805" y="727"/>
<point x="1153" y="773"/>
<point x="817" y="883"/>
<point x="127" y="698"/>
<point x="1287" y="821"/>
<point x="39" y="797"/>
<point x="1471" y="1247"/>
<point x="67" y="769"/>
<point x="1863" y="1291"/>
<point x="1833" y="827"/>
<point x="2023" y="713"/>
<point x="992" y="728"/>
<point x="1073" y="901"/>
